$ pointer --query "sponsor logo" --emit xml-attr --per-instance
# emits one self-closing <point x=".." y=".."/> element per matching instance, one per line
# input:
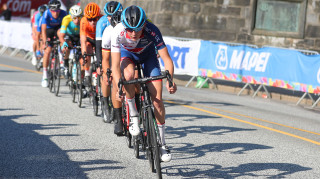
<point x="221" y="59"/>
<point x="178" y="56"/>
<point x="19" y="6"/>
<point x="241" y="60"/>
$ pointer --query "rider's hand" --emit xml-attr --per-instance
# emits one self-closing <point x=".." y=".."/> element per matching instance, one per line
<point x="98" y="70"/>
<point x="172" y="89"/>
<point x="119" y="98"/>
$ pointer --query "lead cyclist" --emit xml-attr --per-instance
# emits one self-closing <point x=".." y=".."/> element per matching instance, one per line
<point x="134" y="40"/>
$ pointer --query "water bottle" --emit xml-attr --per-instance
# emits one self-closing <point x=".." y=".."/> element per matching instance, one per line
<point x="94" y="78"/>
<point x="74" y="72"/>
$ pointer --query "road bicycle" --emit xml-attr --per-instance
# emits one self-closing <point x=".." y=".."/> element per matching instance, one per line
<point x="149" y="137"/>
<point x="54" y="72"/>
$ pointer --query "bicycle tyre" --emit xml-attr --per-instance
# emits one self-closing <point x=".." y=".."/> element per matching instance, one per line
<point x="50" y="75"/>
<point x="79" y="85"/>
<point x="136" y="144"/>
<point x="56" y="75"/>
<point x="154" y="142"/>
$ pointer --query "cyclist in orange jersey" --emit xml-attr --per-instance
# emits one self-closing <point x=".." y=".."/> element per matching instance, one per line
<point x="87" y="34"/>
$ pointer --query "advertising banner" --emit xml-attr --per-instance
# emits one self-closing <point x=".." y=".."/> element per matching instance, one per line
<point x="184" y="55"/>
<point x="16" y="35"/>
<point x="276" y="67"/>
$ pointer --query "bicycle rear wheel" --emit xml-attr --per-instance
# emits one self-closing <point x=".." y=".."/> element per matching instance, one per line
<point x="56" y="75"/>
<point x="154" y="142"/>
<point x="79" y="85"/>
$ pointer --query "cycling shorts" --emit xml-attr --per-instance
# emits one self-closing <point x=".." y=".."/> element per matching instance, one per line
<point x="51" y="34"/>
<point x="75" y="39"/>
<point x="151" y="66"/>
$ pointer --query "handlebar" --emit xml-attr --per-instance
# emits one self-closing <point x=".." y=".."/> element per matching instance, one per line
<point x="84" y="57"/>
<point x="145" y="80"/>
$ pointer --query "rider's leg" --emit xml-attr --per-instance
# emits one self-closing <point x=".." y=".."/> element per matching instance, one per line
<point x="127" y="68"/>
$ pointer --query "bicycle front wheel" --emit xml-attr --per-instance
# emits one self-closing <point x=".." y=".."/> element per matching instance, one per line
<point x="153" y="130"/>
<point x="56" y="76"/>
<point x="79" y="85"/>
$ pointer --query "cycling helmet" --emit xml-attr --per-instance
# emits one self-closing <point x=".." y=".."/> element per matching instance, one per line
<point x="133" y="17"/>
<point x="54" y="4"/>
<point x="112" y="7"/>
<point x="42" y="8"/>
<point x="115" y="18"/>
<point x="75" y="11"/>
<point x="92" y="10"/>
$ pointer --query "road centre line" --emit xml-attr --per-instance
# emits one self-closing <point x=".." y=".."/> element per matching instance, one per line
<point x="21" y="69"/>
<point x="258" y="119"/>
<point x="250" y="123"/>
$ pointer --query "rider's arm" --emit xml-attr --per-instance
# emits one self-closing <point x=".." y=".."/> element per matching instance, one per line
<point x="99" y="51"/>
<point x="115" y="68"/>
<point x="83" y="36"/>
<point x="168" y="63"/>
<point x="44" y="32"/>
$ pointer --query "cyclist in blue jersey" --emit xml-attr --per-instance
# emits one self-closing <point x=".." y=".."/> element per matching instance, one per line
<point x="50" y="28"/>
<point x="103" y="56"/>
<point x="134" y="40"/>
<point x="36" y="32"/>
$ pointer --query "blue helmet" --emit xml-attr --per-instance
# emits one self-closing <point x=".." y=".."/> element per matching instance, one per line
<point x="42" y="8"/>
<point x="112" y="7"/>
<point x="133" y="17"/>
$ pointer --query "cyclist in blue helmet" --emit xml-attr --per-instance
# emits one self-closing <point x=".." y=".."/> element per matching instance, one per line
<point x="134" y="40"/>
<point x="110" y="8"/>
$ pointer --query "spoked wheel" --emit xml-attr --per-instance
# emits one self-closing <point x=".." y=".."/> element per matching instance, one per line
<point x="154" y="143"/>
<point x="39" y="64"/>
<point x="50" y="75"/>
<point x="56" y="76"/>
<point x="106" y="110"/>
<point x="129" y="139"/>
<point x="95" y="104"/>
<point x="79" y="86"/>
<point x="136" y="143"/>
<point x="73" y="83"/>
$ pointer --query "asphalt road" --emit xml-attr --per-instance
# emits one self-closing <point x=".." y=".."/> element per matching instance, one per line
<point x="211" y="135"/>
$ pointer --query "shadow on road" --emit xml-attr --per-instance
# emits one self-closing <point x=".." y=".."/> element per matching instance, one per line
<point x="264" y="170"/>
<point x="211" y="130"/>
<point x="26" y="154"/>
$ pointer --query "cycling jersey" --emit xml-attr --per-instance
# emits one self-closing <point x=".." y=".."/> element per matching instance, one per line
<point x="52" y="22"/>
<point x="102" y="23"/>
<point x="34" y="17"/>
<point x="142" y="50"/>
<point x="150" y="37"/>
<point x="86" y="29"/>
<point x="106" y="38"/>
<point x="69" y="27"/>
<point x="39" y="24"/>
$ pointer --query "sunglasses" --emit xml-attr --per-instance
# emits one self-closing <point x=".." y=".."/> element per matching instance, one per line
<point x="136" y="29"/>
<point x="57" y="10"/>
<point x="93" y="19"/>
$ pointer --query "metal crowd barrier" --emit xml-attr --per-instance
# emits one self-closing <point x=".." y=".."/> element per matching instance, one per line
<point x="261" y="86"/>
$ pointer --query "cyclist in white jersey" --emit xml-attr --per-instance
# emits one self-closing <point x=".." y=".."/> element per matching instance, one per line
<point x="135" y="40"/>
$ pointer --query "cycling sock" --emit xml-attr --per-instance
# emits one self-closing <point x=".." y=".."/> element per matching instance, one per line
<point x="86" y="73"/>
<point x="132" y="107"/>
<point x="161" y="128"/>
<point x="45" y="75"/>
<point x="137" y="101"/>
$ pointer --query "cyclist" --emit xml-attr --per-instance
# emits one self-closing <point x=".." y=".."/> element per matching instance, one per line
<point x="135" y="40"/>
<point x="103" y="57"/>
<point x="50" y="28"/>
<point x="35" y="34"/>
<point x="70" y="29"/>
<point x="87" y="35"/>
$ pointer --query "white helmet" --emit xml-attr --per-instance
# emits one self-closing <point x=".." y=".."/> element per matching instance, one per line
<point x="75" y="11"/>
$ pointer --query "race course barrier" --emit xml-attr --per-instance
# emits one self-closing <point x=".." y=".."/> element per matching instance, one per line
<point x="297" y="70"/>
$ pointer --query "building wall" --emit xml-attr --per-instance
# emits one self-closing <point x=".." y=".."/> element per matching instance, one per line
<point x="222" y="20"/>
